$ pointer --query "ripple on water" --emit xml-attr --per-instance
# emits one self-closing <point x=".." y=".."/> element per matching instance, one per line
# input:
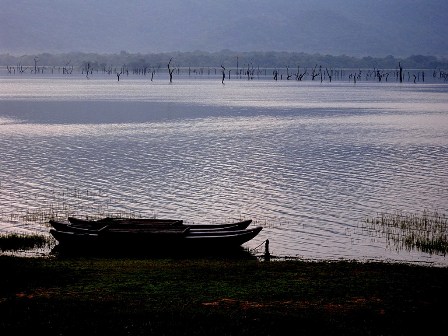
<point x="308" y="176"/>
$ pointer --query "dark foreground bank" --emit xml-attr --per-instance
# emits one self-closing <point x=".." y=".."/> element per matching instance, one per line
<point x="169" y="296"/>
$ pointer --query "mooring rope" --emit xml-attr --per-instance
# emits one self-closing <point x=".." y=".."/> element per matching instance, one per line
<point x="264" y="242"/>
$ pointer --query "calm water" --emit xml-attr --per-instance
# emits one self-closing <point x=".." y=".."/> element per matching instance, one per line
<point x="308" y="161"/>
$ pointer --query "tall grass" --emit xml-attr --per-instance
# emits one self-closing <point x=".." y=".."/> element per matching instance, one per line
<point x="426" y="231"/>
<point x="54" y="204"/>
<point x="60" y="204"/>
<point x="16" y="242"/>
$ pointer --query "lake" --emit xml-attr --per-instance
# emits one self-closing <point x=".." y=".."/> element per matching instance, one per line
<point x="308" y="161"/>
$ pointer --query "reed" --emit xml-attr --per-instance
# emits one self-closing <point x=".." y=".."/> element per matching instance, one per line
<point x="426" y="231"/>
<point x="60" y="204"/>
<point x="16" y="242"/>
<point x="83" y="203"/>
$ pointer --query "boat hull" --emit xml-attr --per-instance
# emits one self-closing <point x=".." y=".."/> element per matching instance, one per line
<point x="80" y="225"/>
<point x="151" y="241"/>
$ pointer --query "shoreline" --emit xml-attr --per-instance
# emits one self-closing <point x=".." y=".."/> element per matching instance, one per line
<point x="49" y="249"/>
<point x="218" y="296"/>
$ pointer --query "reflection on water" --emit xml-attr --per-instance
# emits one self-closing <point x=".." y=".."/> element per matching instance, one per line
<point x="308" y="162"/>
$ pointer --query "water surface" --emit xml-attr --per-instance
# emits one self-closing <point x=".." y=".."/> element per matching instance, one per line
<point x="308" y="161"/>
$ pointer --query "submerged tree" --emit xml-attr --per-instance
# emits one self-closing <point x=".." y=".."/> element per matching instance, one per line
<point x="88" y="69"/>
<point x="329" y="74"/>
<point x="299" y="76"/>
<point x="223" y="73"/>
<point x="170" y="70"/>
<point x="35" y="64"/>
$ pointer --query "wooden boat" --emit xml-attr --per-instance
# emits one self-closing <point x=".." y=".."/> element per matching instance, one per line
<point x="116" y="220"/>
<point x="96" y="227"/>
<point x="222" y="238"/>
<point x="155" y="239"/>
<point x="101" y="223"/>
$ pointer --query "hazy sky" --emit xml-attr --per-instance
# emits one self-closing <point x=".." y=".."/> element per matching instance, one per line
<point x="351" y="27"/>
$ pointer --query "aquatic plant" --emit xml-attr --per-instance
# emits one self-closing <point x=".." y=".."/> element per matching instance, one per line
<point x="15" y="242"/>
<point x="427" y="232"/>
<point x="60" y="204"/>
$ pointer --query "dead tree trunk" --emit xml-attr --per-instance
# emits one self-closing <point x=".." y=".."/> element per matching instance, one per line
<point x="328" y="74"/>
<point x="314" y="74"/>
<point x="35" y="65"/>
<point x="170" y="70"/>
<point x="152" y="74"/>
<point x="223" y="73"/>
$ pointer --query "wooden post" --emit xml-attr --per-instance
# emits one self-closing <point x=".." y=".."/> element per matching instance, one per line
<point x="267" y="255"/>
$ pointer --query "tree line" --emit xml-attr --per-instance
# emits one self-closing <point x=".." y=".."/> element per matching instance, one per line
<point x="234" y="65"/>
<point x="226" y="58"/>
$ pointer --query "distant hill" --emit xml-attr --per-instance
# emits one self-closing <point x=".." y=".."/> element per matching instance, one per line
<point x="336" y="27"/>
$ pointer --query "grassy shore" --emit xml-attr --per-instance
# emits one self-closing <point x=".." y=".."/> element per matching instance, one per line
<point x="218" y="296"/>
